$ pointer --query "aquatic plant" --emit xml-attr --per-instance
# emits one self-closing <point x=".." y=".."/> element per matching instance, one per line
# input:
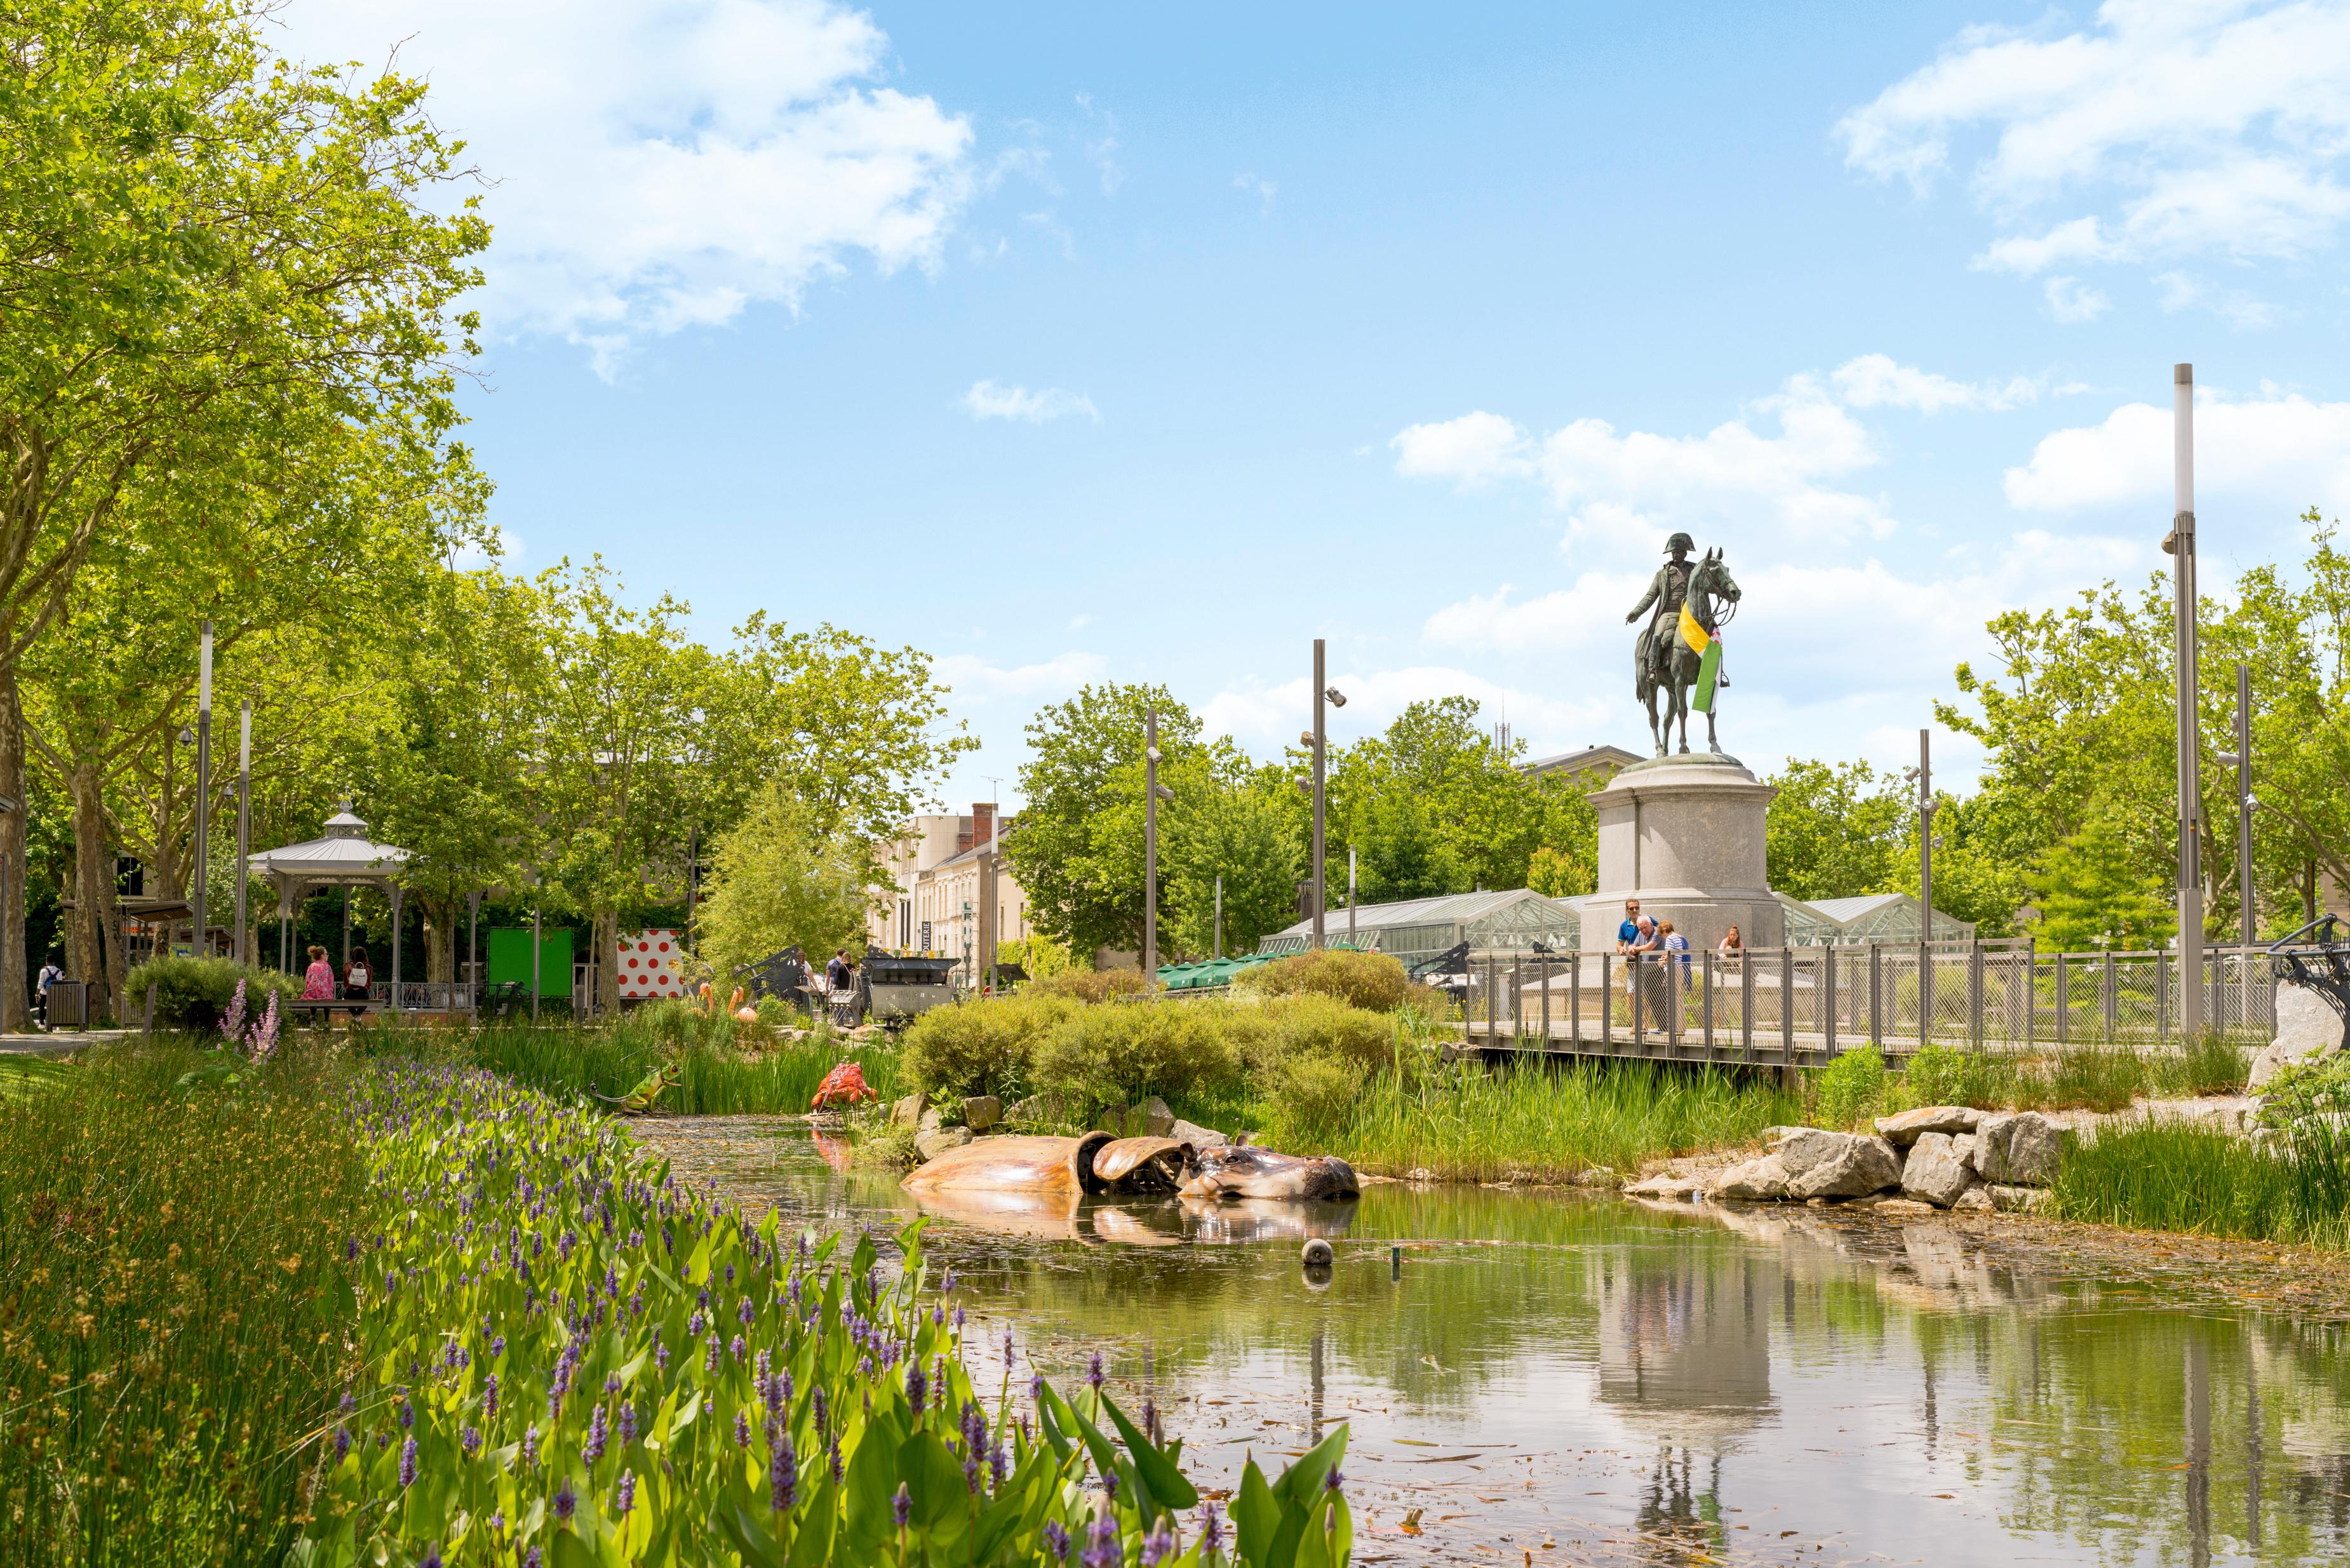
<point x="2176" y="1175"/>
<point x="713" y="1079"/>
<point x="1849" y="1089"/>
<point x="569" y="1358"/>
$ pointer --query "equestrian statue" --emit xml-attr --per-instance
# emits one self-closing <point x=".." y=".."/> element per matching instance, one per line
<point x="1678" y="652"/>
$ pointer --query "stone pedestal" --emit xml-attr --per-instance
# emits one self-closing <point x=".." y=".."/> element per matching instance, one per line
<point x="1684" y="834"/>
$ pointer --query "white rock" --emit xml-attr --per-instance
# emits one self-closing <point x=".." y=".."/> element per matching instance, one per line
<point x="1823" y="1164"/>
<point x="1977" y="1200"/>
<point x="2019" y="1150"/>
<point x="1904" y="1130"/>
<point x="1761" y="1180"/>
<point x="908" y="1112"/>
<point x="2017" y="1199"/>
<point x="1962" y="1146"/>
<point x="1678" y="1187"/>
<point x="2306" y="1028"/>
<point x="1146" y="1118"/>
<point x="1888" y="1205"/>
<point x="1933" y="1171"/>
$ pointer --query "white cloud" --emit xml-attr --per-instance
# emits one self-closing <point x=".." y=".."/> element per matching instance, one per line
<point x="1263" y="190"/>
<point x="1102" y="150"/>
<point x="2213" y="127"/>
<point x="665" y="163"/>
<point x="973" y="679"/>
<point x="1472" y="449"/>
<point x="2071" y="300"/>
<point x="2279" y="447"/>
<point x="2184" y="291"/>
<point x="986" y="401"/>
<point x="1877" y="381"/>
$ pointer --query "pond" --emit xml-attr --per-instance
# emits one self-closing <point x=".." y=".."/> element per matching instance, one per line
<point x="1546" y="1377"/>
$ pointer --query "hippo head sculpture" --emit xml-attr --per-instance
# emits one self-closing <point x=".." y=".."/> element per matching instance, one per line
<point x="1244" y="1170"/>
<point x="1098" y="1165"/>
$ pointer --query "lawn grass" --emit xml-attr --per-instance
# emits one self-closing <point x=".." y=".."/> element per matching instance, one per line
<point x="715" y="1079"/>
<point x="2172" y="1175"/>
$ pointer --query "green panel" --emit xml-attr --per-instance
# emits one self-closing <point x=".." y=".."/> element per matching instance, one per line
<point x="508" y="959"/>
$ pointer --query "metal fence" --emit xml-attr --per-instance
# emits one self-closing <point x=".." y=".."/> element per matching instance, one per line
<point x="1809" y="1004"/>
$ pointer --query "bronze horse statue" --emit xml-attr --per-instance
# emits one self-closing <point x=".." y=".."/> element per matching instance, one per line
<point x="1664" y="663"/>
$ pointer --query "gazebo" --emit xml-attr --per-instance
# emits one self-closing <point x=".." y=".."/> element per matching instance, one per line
<point x="343" y="858"/>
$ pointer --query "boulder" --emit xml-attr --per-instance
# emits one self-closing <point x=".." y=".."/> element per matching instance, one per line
<point x="931" y="1121"/>
<point x="908" y="1112"/>
<point x="1761" y="1180"/>
<point x="1976" y="1200"/>
<point x="936" y="1141"/>
<point x="1145" y="1118"/>
<point x="1822" y="1164"/>
<point x="2306" y="1029"/>
<point x="981" y="1112"/>
<point x="1962" y="1146"/>
<point x="1904" y="1130"/>
<point x="1677" y="1189"/>
<point x="2019" y="1150"/>
<point x="2016" y="1200"/>
<point x="1885" y="1205"/>
<point x="1934" y="1172"/>
<point x="1196" y="1136"/>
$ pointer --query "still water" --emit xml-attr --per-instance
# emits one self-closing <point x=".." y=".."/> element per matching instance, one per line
<point x="1550" y="1378"/>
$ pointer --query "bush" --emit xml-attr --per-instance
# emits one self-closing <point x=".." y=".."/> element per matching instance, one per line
<point x="1318" y="1093"/>
<point x="1370" y="981"/>
<point x="1113" y="1056"/>
<point x="1090" y="985"/>
<point x="2307" y="1089"/>
<point x="192" y="993"/>
<point x="1850" y="1088"/>
<point x="1947" y="1075"/>
<point x="1323" y="1026"/>
<point x="984" y="1046"/>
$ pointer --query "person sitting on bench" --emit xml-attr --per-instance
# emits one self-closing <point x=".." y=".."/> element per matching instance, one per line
<point x="355" y="981"/>
<point x="318" y="979"/>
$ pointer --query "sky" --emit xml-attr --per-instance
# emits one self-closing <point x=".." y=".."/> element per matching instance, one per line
<point x="1071" y="343"/>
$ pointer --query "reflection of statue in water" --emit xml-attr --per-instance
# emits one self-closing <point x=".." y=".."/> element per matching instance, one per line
<point x="1681" y="1353"/>
<point x="1677" y="653"/>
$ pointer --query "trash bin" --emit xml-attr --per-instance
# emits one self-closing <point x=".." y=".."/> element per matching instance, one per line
<point x="69" y="1005"/>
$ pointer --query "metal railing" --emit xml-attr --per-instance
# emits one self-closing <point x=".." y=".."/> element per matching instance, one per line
<point x="1812" y="1004"/>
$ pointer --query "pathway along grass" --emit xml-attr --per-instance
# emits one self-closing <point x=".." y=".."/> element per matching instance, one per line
<point x="174" y="1310"/>
<point x="2187" y="1176"/>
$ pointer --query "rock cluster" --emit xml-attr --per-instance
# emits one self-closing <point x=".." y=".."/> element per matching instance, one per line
<point x="1939" y="1156"/>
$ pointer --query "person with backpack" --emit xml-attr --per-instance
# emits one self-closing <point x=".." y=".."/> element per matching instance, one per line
<point x="356" y="979"/>
<point x="50" y="974"/>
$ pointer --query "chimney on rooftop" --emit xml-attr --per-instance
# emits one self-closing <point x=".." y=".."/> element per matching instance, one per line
<point x="982" y="824"/>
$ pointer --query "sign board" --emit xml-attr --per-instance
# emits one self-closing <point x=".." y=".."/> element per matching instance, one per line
<point x="926" y="936"/>
<point x="509" y="959"/>
<point x="649" y="965"/>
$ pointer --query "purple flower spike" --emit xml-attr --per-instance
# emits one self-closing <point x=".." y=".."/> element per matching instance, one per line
<point x="1211" y="1529"/>
<point x="533" y="1559"/>
<point x="624" y="1496"/>
<point x="407" y="1463"/>
<point x="915" y="1387"/>
<point x="1056" y="1540"/>
<point x="628" y="1423"/>
<point x="742" y="1430"/>
<point x="599" y="1434"/>
<point x="783" y="1476"/>
<point x="1334" y="1481"/>
<point x="567" y="1503"/>
<point x="1094" y="1373"/>
<point x="901" y="1505"/>
<point x="1155" y="1546"/>
<point x="431" y="1558"/>
<point x="342" y="1443"/>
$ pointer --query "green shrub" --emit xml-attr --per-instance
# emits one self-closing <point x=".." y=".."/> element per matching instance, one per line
<point x="1089" y="984"/>
<point x="2208" y="1064"/>
<point x="1113" y="1056"/>
<point x="2307" y="1089"/>
<point x="1850" y="1088"/>
<point x="1950" y="1076"/>
<point x="1371" y="981"/>
<point x="2091" y="1077"/>
<point x="774" y="1012"/>
<point x="1312" y="1025"/>
<point x="192" y="993"/>
<point x="981" y="1046"/>
<point x="1318" y="1093"/>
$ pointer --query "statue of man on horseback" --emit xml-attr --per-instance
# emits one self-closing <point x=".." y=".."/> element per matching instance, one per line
<point x="1679" y="653"/>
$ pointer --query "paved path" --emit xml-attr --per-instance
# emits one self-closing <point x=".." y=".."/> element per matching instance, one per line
<point x="62" y="1042"/>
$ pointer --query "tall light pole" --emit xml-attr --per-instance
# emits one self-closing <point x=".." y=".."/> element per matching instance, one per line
<point x="1314" y="870"/>
<point x="244" y="826"/>
<point x="1350" y="895"/>
<point x="203" y="776"/>
<point x="2180" y="548"/>
<point x="1219" y="914"/>
<point x="1924" y="775"/>
<point x="1152" y="794"/>
<point x="2240" y="758"/>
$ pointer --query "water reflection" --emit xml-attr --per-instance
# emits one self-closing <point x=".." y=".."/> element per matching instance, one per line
<point x="1628" y="1385"/>
<point x="1129" y="1221"/>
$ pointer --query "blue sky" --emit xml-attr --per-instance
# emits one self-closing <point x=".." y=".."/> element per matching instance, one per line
<point x="1072" y="342"/>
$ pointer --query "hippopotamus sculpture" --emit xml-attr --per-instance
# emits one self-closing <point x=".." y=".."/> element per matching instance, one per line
<point x="1099" y="1164"/>
<point x="1244" y="1170"/>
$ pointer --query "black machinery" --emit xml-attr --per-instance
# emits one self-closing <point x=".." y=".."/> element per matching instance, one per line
<point x="2320" y="963"/>
<point x="896" y="990"/>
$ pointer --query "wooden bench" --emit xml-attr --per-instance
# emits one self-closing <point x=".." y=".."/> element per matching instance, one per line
<point x="326" y="1009"/>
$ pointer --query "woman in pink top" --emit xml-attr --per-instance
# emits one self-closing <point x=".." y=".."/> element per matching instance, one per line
<point x="318" y="979"/>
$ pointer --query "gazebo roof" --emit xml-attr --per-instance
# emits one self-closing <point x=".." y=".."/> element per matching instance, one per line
<point x="343" y="855"/>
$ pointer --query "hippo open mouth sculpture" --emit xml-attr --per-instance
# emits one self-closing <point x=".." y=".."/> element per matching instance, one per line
<point x="1099" y="1164"/>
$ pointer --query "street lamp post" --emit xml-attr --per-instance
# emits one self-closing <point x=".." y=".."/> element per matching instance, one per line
<point x="243" y="827"/>
<point x="2180" y="548"/>
<point x="1316" y="741"/>
<point x="203" y="776"/>
<point x="2240" y="758"/>
<point x="1924" y="775"/>
<point x="1219" y="914"/>
<point x="1152" y="794"/>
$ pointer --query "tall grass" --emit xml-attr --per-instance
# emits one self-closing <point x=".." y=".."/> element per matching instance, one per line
<point x="1466" y="1122"/>
<point x="2170" y="1175"/>
<point x="715" y="1079"/>
<point x="174" y="1308"/>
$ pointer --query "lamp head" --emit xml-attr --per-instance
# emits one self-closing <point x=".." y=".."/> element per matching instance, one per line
<point x="1338" y="697"/>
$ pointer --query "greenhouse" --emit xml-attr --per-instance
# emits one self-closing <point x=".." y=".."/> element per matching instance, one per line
<point x="1419" y="929"/>
<point x="1871" y="917"/>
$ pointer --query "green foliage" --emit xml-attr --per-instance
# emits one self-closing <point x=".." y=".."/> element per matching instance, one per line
<point x="2169" y="1175"/>
<point x="192" y="993"/>
<point x="1090" y="985"/>
<point x="2094" y="893"/>
<point x="778" y="879"/>
<point x="1561" y="874"/>
<point x="1038" y="955"/>
<point x="983" y="1045"/>
<point x="2307" y="1089"/>
<point x="1835" y="831"/>
<point x="1316" y="1093"/>
<point x="713" y="1078"/>
<point x="1850" y="1089"/>
<point x="171" y="1281"/>
<point x="1937" y="1074"/>
<point x="1233" y="824"/>
<point x="1371" y="981"/>
<point x="1314" y="1024"/>
<point x="1110" y="1056"/>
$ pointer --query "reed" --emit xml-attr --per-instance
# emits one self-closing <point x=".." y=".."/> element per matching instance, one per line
<point x="713" y="1078"/>
<point x="2172" y="1175"/>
